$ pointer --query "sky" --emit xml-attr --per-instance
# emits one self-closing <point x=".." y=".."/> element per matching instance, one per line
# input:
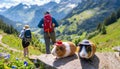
<point x="9" y="3"/>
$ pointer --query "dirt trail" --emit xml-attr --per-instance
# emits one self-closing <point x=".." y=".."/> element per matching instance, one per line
<point x="6" y="46"/>
<point x="15" y="50"/>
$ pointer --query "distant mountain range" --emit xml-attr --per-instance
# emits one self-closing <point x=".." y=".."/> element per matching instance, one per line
<point x="31" y="14"/>
<point x="75" y="16"/>
<point x="6" y="20"/>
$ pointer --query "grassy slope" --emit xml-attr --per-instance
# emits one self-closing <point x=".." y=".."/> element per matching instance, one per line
<point x="12" y="61"/>
<point x="77" y="20"/>
<point x="112" y="38"/>
<point x="16" y="58"/>
<point x="83" y="16"/>
<point x="15" y="42"/>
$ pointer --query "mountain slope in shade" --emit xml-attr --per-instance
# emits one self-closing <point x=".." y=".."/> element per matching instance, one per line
<point x="17" y="25"/>
<point x="6" y="20"/>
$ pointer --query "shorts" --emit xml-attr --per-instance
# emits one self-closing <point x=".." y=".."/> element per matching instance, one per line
<point x="25" y="44"/>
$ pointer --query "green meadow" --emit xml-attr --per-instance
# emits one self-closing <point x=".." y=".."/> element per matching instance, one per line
<point x="106" y="42"/>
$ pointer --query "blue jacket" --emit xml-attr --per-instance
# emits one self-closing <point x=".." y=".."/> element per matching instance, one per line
<point x="40" y="25"/>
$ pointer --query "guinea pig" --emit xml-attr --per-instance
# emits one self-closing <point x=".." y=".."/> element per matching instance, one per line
<point x="87" y="49"/>
<point x="63" y="49"/>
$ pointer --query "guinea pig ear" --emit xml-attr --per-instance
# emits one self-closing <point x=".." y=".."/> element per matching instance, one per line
<point x="78" y="44"/>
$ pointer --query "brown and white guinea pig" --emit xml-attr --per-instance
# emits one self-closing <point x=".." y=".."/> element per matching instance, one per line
<point x="63" y="49"/>
<point x="86" y="49"/>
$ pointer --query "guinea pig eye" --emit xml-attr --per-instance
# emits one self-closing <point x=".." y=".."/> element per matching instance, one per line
<point x="88" y="48"/>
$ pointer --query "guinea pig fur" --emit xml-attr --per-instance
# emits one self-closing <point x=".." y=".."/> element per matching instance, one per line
<point x="64" y="50"/>
<point x="87" y="49"/>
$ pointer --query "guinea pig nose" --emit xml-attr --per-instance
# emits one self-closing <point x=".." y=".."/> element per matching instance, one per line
<point x="83" y="54"/>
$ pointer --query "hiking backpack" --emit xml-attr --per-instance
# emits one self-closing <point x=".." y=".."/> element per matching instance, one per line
<point x="27" y="35"/>
<point x="48" y="23"/>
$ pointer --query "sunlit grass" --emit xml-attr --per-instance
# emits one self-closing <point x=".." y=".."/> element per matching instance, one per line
<point x="83" y="16"/>
<point x="1" y="31"/>
<point x="61" y="28"/>
<point x="112" y="38"/>
<point x="15" y="42"/>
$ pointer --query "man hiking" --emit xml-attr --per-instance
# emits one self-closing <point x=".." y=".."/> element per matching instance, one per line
<point x="48" y="23"/>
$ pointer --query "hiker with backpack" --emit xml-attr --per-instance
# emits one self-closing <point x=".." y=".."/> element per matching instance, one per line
<point x="26" y="37"/>
<point x="48" y="23"/>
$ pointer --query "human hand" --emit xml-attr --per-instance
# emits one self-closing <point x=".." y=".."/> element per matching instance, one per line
<point x="53" y="25"/>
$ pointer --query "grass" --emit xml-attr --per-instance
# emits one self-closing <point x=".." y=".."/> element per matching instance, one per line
<point x="15" y="59"/>
<point x="106" y="42"/>
<point x="72" y="27"/>
<point x="83" y="16"/>
<point x="61" y="28"/>
<point x="1" y="31"/>
<point x="15" y="42"/>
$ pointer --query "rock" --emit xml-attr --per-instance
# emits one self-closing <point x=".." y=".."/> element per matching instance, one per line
<point x="116" y="48"/>
<point x="99" y="61"/>
<point x="117" y="53"/>
<point x="63" y="63"/>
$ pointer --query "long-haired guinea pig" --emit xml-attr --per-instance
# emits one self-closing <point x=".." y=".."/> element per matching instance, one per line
<point x="63" y="49"/>
<point x="87" y="49"/>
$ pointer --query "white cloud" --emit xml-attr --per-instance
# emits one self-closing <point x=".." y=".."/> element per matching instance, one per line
<point x="9" y="3"/>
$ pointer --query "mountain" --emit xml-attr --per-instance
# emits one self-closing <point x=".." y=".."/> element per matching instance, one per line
<point x="21" y="13"/>
<point x="6" y="20"/>
<point x="63" y="8"/>
<point x="3" y="9"/>
<point x="31" y="14"/>
<point x="87" y="15"/>
<point x="17" y="25"/>
<point x="58" y="11"/>
<point x="39" y="13"/>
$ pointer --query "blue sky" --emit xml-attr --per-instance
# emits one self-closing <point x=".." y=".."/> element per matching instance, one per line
<point x="9" y="3"/>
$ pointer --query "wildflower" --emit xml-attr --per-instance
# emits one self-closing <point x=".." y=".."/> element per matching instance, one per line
<point x="25" y="63"/>
<point x="7" y="56"/>
<point x="0" y="55"/>
<point x="35" y="60"/>
<point x="17" y="58"/>
<point x="13" y="67"/>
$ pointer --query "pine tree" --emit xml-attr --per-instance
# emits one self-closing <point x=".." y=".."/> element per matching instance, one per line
<point x="107" y="21"/>
<point x="103" y="31"/>
<point x="113" y="17"/>
<point x="118" y="13"/>
<point x="99" y="27"/>
<point x="7" y="28"/>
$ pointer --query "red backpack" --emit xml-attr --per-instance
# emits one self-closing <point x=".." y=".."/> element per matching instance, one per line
<point x="48" y="23"/>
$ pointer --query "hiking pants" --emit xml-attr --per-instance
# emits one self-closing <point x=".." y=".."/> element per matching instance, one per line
<point x="48" y="37"/>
